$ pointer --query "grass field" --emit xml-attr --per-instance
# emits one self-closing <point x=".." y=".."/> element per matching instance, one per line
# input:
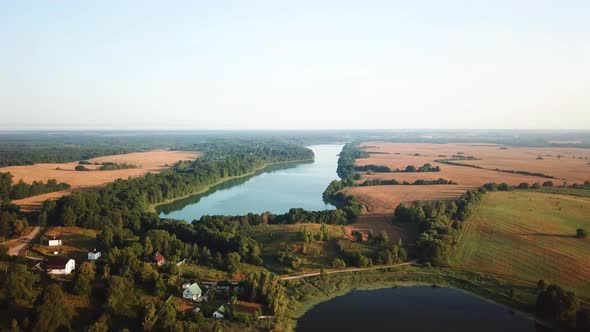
<point x="274" y="237"/>
<point x="77" y="242"/>
<point x="529" y="236"/>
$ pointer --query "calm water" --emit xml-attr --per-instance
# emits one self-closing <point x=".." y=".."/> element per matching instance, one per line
<point x="412" y="309"/>
<point x="277" y="189"/>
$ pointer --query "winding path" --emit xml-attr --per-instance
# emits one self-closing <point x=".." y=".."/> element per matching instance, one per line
<point x="315" y="274"/>
<point x="23" y="241"/>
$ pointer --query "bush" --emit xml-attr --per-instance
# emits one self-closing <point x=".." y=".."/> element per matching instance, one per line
<point x="523" y="185"/>
<point x="548" y="184"/>
<point x="81" y="168"/>
<point x="338" y="264"/>
<point x="581" y="233"/>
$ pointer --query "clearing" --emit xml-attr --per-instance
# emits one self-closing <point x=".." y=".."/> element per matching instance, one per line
<point x="529" y="236"/>
<point x="77" y="242"/>
<point x="146" y="162"/>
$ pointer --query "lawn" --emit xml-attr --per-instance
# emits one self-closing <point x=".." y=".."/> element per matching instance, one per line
<point x="77" y="242"/>
<point x="273" y="238"/>
<point x="529" y="236"/>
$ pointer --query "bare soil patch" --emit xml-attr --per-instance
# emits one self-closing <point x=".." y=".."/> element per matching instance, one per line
<point x="147" y="162"/>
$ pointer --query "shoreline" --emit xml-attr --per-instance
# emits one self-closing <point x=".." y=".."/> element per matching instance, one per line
<point x="154" y="207"/>
<point x="410" y="277"/>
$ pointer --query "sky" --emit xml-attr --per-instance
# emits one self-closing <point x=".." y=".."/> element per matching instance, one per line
<point x="295" y="64"/>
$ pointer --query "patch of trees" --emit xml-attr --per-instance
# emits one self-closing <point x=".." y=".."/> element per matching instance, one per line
<point x="81" y="168"/>
<point x="108" y="166"/>
<point x="525" y="173"/>
<point x="439" y="224"/>
<point x="379" y="182"/>
<point x="266" y="288"/>
<point x="19" y="190"/>
<point x="453" y="163"/>
<point x="346" y="167"/>
<point x="373" y="168"/>
<point x="421" y="169"/>
<point x="104" y="166"/>
<point x="11" y="224"/>
<point x="561" y="307"/>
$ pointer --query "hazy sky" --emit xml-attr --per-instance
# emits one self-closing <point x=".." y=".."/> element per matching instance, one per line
<point x="295" y="64"/>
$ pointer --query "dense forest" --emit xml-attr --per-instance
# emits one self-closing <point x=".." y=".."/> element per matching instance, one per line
<point x="10" y="190"/>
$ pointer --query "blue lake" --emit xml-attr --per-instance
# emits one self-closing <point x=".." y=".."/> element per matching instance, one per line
<point x="276" y="189"/>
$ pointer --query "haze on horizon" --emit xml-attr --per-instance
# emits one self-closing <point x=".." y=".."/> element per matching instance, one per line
<point x="295" y="65"/>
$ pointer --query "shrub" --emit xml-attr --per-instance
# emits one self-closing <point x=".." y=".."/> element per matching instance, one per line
<point x="581" y="233"/>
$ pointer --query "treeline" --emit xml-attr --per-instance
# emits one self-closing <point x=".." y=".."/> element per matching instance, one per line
<point x="104" y="166"/>
<point x="346" y="167"/>
<point x="15" y="155"/>
<point x="449" y="162"/>
<point x="379" y="182"/>
<point x="424" y="168"/>
<point x="439" y="224"/>
<point x="20" y="190"/>
<point x="373" y="168"/>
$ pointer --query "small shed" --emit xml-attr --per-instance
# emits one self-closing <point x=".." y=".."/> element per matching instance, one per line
<point x="93" y="255"/>
<point x="54" y="241"/>
<point x="219" y="313"/>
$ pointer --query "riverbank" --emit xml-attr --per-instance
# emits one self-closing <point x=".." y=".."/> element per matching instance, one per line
<point x="154" y="207"/>
<point x="508" y="293"/>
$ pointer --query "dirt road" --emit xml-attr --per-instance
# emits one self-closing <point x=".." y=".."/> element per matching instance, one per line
<point x="315" y="274"/>
<point x="22" y="241"/>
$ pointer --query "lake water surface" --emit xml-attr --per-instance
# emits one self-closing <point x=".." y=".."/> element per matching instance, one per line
<point x="276" y="189"/>
<point x="412" y="309"/>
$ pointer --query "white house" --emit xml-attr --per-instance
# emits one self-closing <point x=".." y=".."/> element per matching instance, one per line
<point x="55" y="241"/>
<point x="93" y="255"/>
<point x="60" y="265"/>
<point x="220" y="312"/>
<point x="192" y="292"/>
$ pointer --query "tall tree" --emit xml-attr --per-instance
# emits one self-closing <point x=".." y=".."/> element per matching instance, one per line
<point x="54" y="312"/>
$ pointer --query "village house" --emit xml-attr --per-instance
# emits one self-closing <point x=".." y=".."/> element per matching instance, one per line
<point x="220" y="312"/>
<point x="159" y="259"/>
<point x="54" y="241"/>
<point x="93" y="255"/>
<point x="60" y="265"/>
<point x="192" y="292"/>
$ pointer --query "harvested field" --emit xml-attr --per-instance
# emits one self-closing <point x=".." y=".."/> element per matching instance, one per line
<point x="565" y="164"/>
<point x="529" y="236"/>
<point x="382" y="199"/>
<point x="152" y="161"/>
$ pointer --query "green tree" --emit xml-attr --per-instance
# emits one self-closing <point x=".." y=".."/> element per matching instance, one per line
<point x="101" y="325"/>
<point x="68" y="217"/>
<point x="120" y="296"/>
<point x="19" y="283"/>
<point x="84" y="278"/>
<point x="338" y="264"/>
<point x="166" y="315"/>
<point x="149" y="317"/>
<point x="54" y="312"/>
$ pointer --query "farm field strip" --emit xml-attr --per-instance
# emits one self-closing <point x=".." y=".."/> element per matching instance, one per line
<point x="529" y="236"/>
